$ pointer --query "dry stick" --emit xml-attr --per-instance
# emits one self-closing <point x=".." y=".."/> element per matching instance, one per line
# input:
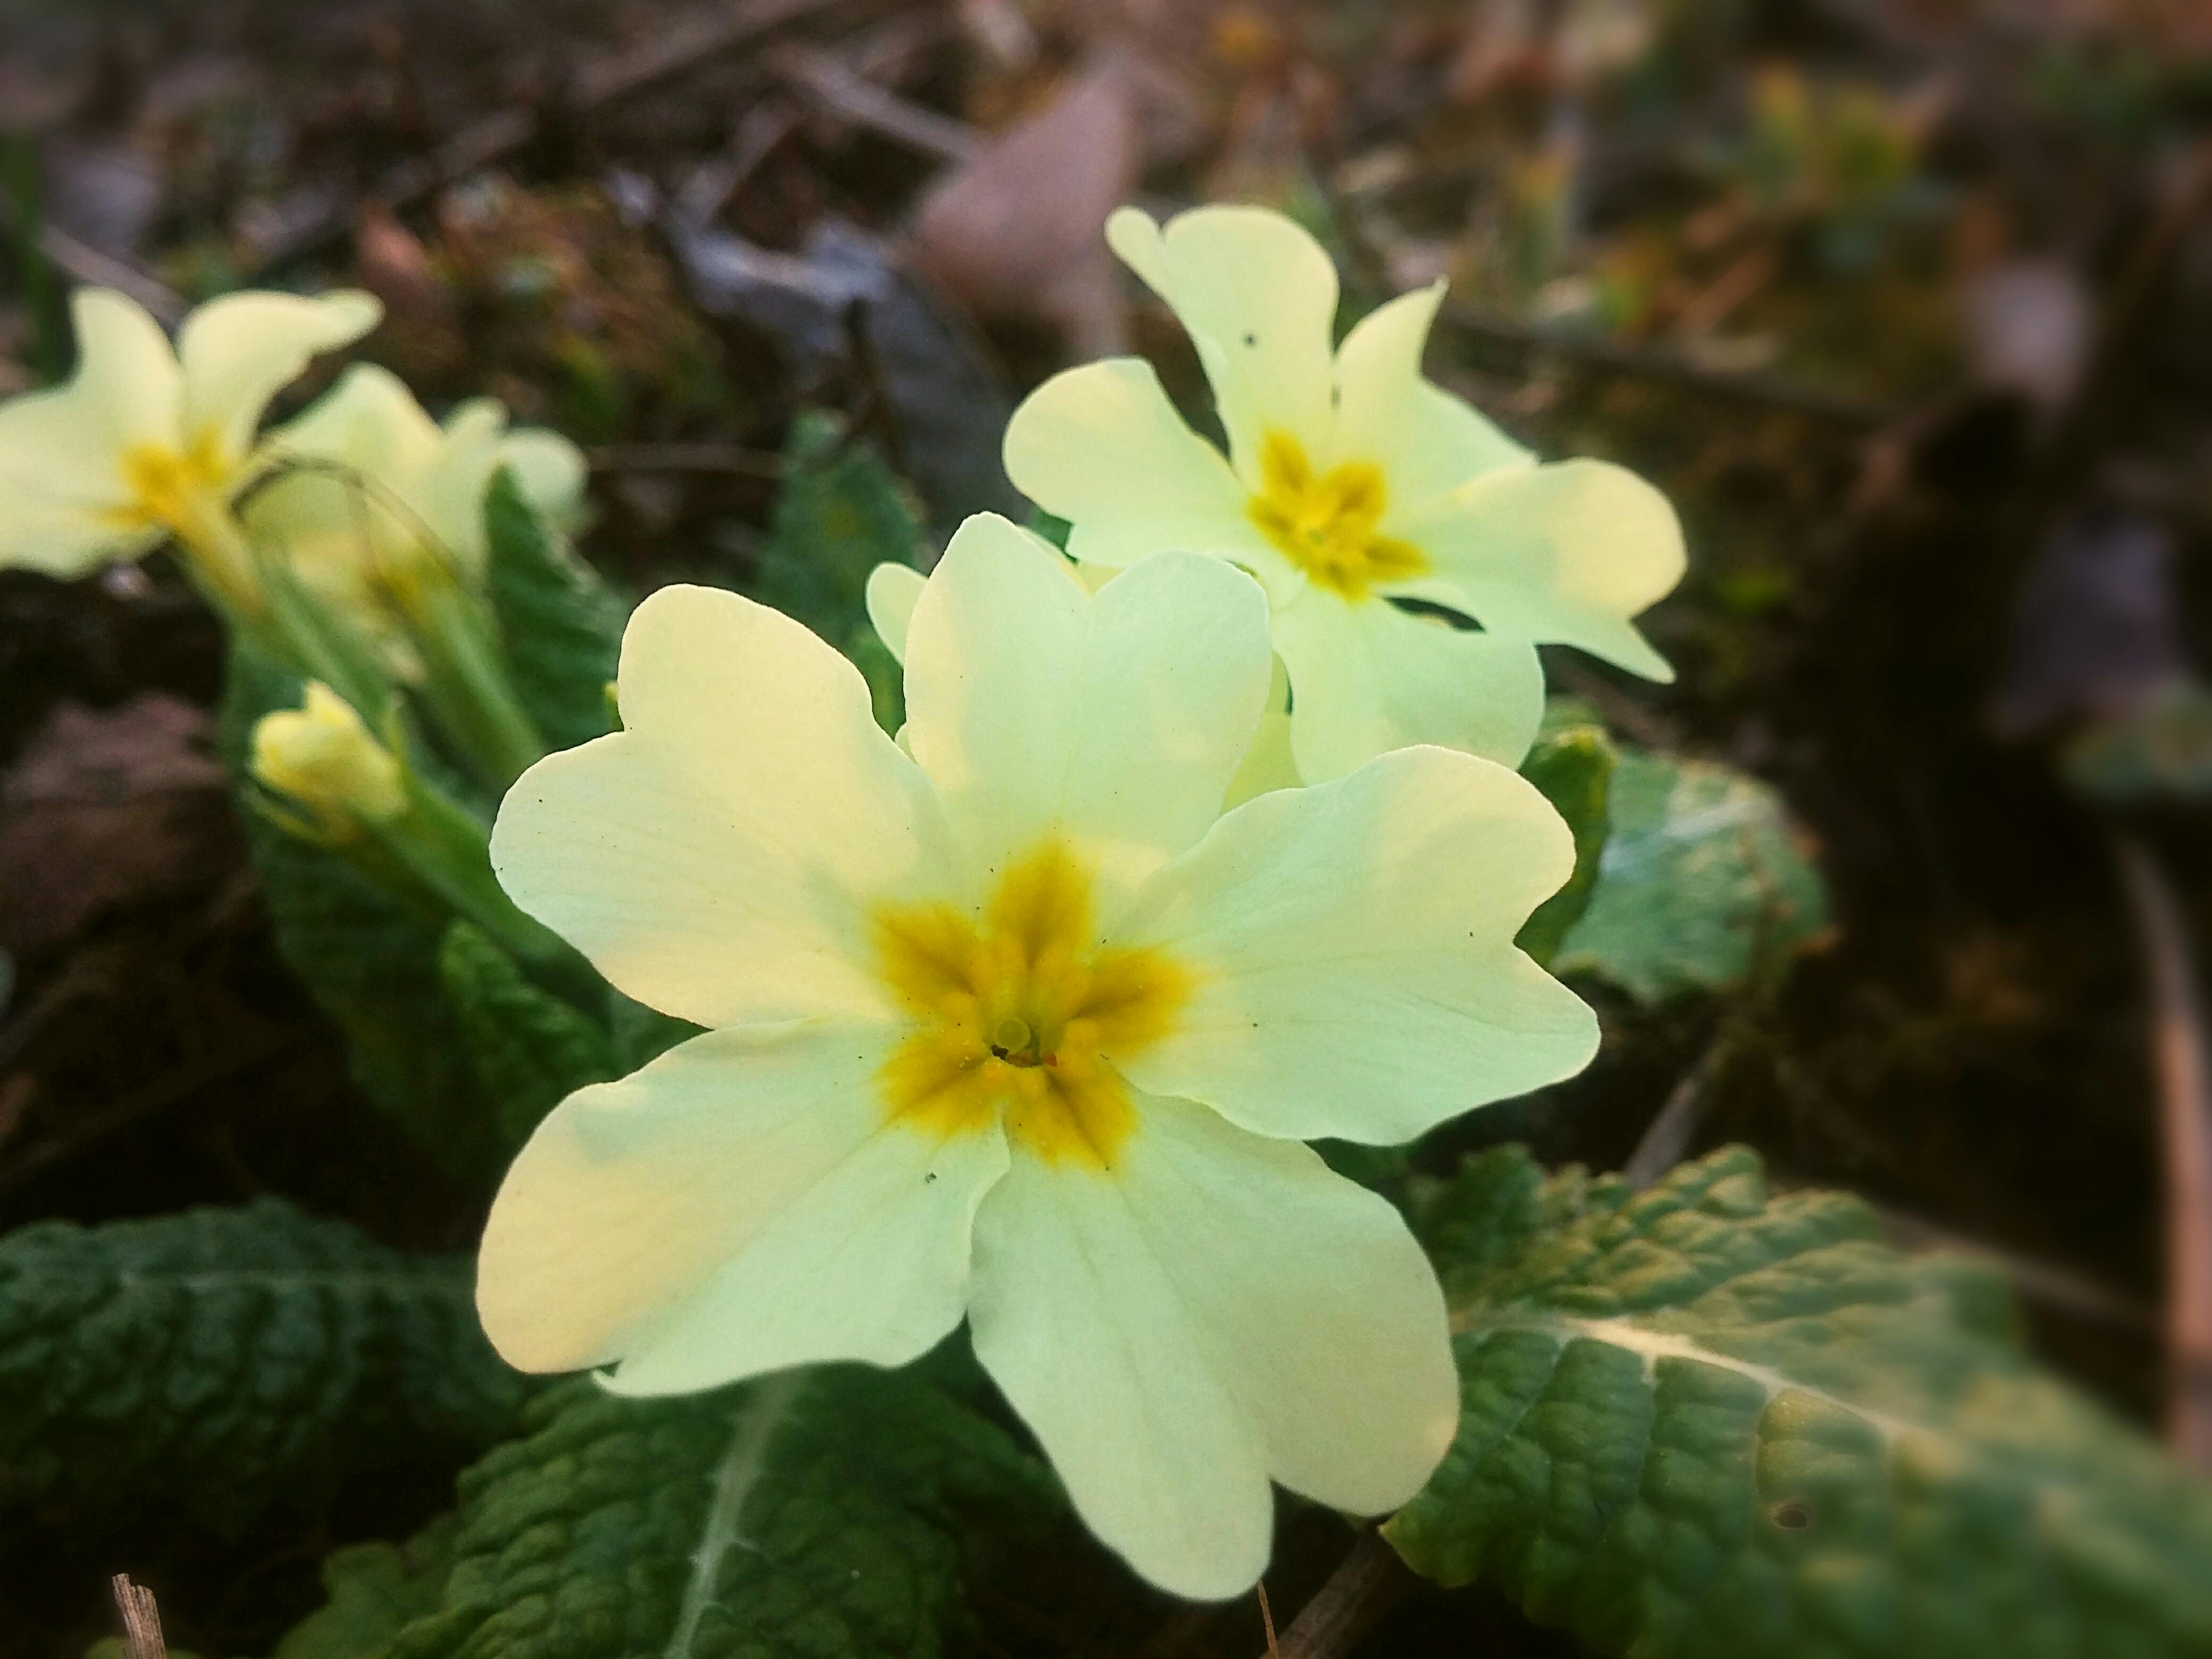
<point x="1668" y="1137"/>
<point x="309" y="221"/>
<point x="2185" y="1089"/>
<point x="843" y="91"/>
<point x="2045" y="1282"/>
<point x="685" y="458"/>
<point x="1268" y="1621"/>
<point x="1655" y="363"/>
<point x="708" y="188"/>
<point x="2135" y="294"/>
<point x="85" y="264"/>
<point x="1368" y="1583"/>
<point x="170" y="1088"/>
<point x="142" y="1620"/>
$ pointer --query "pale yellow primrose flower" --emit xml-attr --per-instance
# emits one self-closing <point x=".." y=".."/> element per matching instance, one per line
<point x="1011" y="1023"/>
<point x="394" y="487"/>
<point x="145" y="442"/>
<point x="1350" y="480"/>
<point x="321" y="757"/>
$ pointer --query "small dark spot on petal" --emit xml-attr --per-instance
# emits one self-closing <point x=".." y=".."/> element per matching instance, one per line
<point x="928" y="1176"/>
<point x="1251" y="339"/>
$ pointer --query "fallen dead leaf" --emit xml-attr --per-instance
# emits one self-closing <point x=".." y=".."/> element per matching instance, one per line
<point x="1016" y="234"/>
<point x="2027" y="324"/>
<point x="107" y="808"/>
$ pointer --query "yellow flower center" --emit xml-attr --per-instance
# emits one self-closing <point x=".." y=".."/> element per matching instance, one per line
<point x="1019" y="1013"/>
<point x="171" y="487"/>
<point x="1325" y="524"/>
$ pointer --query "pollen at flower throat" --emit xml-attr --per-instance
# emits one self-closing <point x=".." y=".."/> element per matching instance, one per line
<point x="170" y="487"/>
<point x="1017" y="1014"/>
<point x="1325" y="523"/>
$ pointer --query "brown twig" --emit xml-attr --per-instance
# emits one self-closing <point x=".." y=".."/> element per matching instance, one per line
<point x="832" y="84"/>
<point x="2045" y="1282"/>
<point x="311" y="219"/>
<point x="1668" y="1139"/>
<point x="2184" y="1080"/>
<point x="1368" y="1583"/>
<point x="83" y="263"/>
<point x="142" y="1620"/>
<point x="1268" y="1621"/>
<point x="1656" y="363"/>
<point x="685" y="458"/>
<point x="2129" y="305"/>
<point x="171" y="1087"/>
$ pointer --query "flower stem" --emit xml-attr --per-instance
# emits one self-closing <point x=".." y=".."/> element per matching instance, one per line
<point x="217" y="556"/>
<point x="446" y="849"/>
<point x="466" y="685"/>
<point x="260" y="596"/>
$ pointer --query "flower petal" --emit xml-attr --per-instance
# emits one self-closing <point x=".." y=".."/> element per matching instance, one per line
<point x="1219" y="1309"/>
<point x="1426" y="441"/>
<point x="893" y="591"/>
<point x="1268" y="763"/>
<point x="549" y="470"/>
<point x="718" y="859"/>
<point x="354" y="504"/>
<point x="1564" y="553"/>
<point x="738" y="1206"/>
<point x="368" y="421"/>
<point x="1366" y="678"/>
<point x="64" y="499"/>
<point x="1118" y="719"/>
<point x="238" y="352"/>
<point x="1079" y="440"/>
<point x="453" y="488"/>
<point x="1258" y="296"/>
<point x="1353" y="948"/>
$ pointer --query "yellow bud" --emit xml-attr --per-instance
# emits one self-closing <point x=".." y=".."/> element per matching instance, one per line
<point x="322" y="757"/>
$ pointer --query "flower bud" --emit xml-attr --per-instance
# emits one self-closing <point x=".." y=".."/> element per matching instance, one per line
<point x="324" y="758"/>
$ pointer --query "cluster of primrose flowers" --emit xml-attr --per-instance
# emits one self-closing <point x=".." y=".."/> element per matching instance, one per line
<point x="1196" y="846"/>
<point x="347" y="546"/>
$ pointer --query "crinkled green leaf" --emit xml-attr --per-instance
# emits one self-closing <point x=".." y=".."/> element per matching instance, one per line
<point x="223" y="1360"/>
<point x="1705" y="884"/>
<point x="375" y="1591"/>
<point x="840" y="514"/>
<point x="369" y="960"/>
<point x="1574" y="768"/>
<point x="1705" y="1418"/>
<point x="809" y="1516"/>
<point x="561" y="625"/>
<point x="531" y="1050"/>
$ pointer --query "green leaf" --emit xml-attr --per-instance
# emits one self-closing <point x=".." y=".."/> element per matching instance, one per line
<point x="1574" y="768"/>
<point x="840" y="514"/>
<point x="226" y="1359"/>
<point x="1708" y="1420"/>
<point x="530" y="1048"/>
<point x="561" y="625"/>
<point x="2161" y="750"/>
<point x="643" y="1034"/>
<point x="809" y="1516"/>
<point x="1705" y="883"/>
<point x="369" y="960"/>
<point x="375" y="1591"/>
